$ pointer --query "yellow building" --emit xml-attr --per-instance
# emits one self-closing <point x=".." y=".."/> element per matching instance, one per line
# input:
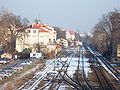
<point x="118" y="51"/>
<point x="38" y="33"/>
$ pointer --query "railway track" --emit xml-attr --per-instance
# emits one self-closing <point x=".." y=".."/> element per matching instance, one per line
<point x="77" y="82"/>
<point x="73" y="81"/>
<point x="89" y="87"/>
<point x="106" y="64"/>
<point x="53" y="83"/>
<point x="66" y="77"/>
<point x="70" y="81"/>
<point x="100" y="68"/>
<point x="32" y="83"/>
<point x="108" y="83"/>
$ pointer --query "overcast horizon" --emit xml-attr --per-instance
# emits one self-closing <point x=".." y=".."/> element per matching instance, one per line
<point x="72" y="14"/>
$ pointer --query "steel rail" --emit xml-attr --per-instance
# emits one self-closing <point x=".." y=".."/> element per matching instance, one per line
<point x="52" y="83"/>
<point x="104" y="76"/>
<point x="99" y="67"/>
<point x="72" y="83"/>
<point x="106" y="65"/>
<point x="37" y="78"/>
<point x="84" y="77"/>
<point x="100" y="82"/>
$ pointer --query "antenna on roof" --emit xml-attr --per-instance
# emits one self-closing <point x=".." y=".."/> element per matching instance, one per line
<point x="39" y="18"/>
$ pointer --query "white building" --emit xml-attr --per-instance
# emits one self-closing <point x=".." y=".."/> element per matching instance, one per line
<point x="70" y="35"/>
<point x="63" y="42"/>
<point x="38" y="33"/>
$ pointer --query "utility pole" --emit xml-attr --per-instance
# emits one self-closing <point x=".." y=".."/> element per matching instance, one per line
<point x="38" y="43"/>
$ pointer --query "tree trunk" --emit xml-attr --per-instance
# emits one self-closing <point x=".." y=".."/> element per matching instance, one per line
<point x="12" y="45"/>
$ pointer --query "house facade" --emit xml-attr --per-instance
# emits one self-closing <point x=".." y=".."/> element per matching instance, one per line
<point x="70" y="35"/>
<point x="38" y="34"/>
<point x="63" y="42"/>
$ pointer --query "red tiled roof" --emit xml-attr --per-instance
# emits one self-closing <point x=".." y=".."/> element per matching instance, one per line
<point x="71" y="33"/>
<point x="41" y="27"/>
<point x="43" y="30"/>
<point x="38" y="25"/>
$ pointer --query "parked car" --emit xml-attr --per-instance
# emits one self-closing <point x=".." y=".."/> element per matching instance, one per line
<point x="25" y="63"/>
<point x="3" y="74"/>
<point x="4" y="60"/>
<point x="36" y="55"/>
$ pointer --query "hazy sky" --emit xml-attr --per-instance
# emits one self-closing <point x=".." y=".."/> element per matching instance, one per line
<point x="73" y="14"/>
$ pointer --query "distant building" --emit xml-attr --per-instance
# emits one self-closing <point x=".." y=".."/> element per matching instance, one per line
<point x="38" y="34"/>
<point x="82" y="34"/>
<point x="117" y="58"/>
<point x="63" y="42"/>
<point x="118" y="50"/>
<point x="70" y="35"/>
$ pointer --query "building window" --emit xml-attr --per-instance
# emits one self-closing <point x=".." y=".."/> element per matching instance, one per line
<point x="28" y="31"/>
<point x="34" y="31"/>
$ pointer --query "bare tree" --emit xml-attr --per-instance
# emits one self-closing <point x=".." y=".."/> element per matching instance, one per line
<point x="99" y="40"/>
<point x="60" y="32"/>
<point x="11" y="27"/>
<point x="109" y="25"/>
